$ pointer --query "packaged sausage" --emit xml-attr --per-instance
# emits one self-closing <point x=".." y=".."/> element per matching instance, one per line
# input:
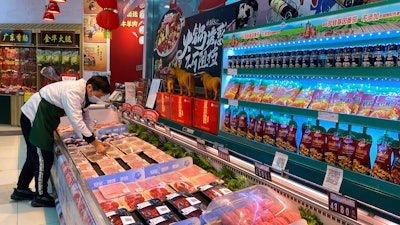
<point x="306" y="138"/>
<point x="383" y="160"/>
<point x="318" y="142"/>
<point x="361" y="159"/>
<point x="270" y="130"/>
<point x="291" y="138"/>
<point x="332" y="146"/>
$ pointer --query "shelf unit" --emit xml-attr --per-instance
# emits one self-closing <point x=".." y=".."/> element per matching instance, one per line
<point x="376" y="196"/>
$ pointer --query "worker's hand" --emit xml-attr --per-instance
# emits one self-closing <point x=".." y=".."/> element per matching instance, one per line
<point x="99" y="146"/>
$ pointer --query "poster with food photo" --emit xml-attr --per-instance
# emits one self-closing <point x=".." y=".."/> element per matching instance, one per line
<point x="95" y="57"/>
<point x="92" y="32"/>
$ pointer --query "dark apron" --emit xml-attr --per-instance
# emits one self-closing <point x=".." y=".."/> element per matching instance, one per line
<point x="46" y="121"/>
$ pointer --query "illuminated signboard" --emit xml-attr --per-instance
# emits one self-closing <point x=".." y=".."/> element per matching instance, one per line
<point x="16" y="37"/>
<point x="57" y="38"/>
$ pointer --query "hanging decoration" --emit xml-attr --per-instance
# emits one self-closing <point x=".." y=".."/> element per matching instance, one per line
<point x="108" y="18"/>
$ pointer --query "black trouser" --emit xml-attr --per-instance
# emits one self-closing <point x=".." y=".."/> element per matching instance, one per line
<point x="37" y="165"/>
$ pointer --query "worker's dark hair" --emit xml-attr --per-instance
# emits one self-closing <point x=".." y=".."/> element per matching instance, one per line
<point x="99" y="83"/>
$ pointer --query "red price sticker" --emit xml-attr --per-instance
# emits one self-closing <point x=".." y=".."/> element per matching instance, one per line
<point x="343" y="205"/>
<point x="223" y="153"/>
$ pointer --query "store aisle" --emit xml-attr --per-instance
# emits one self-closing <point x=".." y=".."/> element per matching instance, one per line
<point x="12" y="157"/>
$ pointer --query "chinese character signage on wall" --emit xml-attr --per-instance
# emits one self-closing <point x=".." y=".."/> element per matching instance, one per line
<point x="57" y="38"/>
<point x="15" y="36"/>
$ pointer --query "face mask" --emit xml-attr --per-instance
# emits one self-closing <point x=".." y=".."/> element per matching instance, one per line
<point x="93" y="99"/>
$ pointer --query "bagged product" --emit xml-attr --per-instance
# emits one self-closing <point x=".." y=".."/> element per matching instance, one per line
<point x="366" y="104"/>
<point x="231" y="89"/>
<point x="332" y="146"/>
<point x="321" y="98"/>
<point x="66" y="58"/>
<point x="395" y="173"/>
<point x="252" y="125"/>
<point x="56" y="57"/>
<point x="282" y="132"/>
<point x="361" y="159"/>
<point x="291" y="137"/>
<point x="270" y="130"/>
<point x="272" y="92"/>
<point x="246" y="89"/>
<point x="386" y="107"/>
<point x="342" y="101"/>
<point x="318" y="142"/>
<point x="234" y="120"/>
<point x="382" y="165"/>
<point x="260" y="124"/>
<point x="75" y="59"/>
<point x="288" y="94"/>
<point x="346" y="152"/>
<point x="227" y="121"/>
<point x="242" y="123"/>
<point x="303" y="99"/>
<point x="259" y="91"/>
<point x="306" y="138"/>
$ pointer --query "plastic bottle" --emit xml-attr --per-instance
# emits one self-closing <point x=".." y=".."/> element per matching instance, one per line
<point x="284" y="9"/>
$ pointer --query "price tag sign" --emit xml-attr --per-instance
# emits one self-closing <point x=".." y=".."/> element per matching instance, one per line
<point x="342" y="205"/>
<point x="223" y="153"/>
<point x="167" y="131"/>
<point x="326" y="116"/>
<point x="333" y="178"/>
<point x="280" y="161"/>
<point x="188" y="130"/>
<point x="233" y="102"/>
<point x="201" y="144"/>
<point x="262" y="170"/>
<point x="232" y="71"/>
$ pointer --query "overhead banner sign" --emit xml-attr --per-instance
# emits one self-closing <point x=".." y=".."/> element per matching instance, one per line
<point x="66" y="38"/>
<point x="16" y="37"/>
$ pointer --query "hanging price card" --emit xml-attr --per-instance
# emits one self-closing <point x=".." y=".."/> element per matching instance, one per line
<point x="232" y="71"/>
<point x="333" y="178"/>
<point x="201" y="144"/>
<point x="223" y="153"/>
<point x="326" y="116"/>
<point x="343" y="205"/>
<point x="233" y="102"/>
<point x="262" y="170"/>
<point x="280" y="161"/>
<point x="167" y="131"/>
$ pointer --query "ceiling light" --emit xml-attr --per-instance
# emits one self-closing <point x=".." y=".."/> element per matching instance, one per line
<point x="53" y="8"/>
<point x="49" y="17"/>
<point x="58" y="1"/>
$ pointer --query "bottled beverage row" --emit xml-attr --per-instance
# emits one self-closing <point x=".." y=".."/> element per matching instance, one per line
<point x="359" y="56"/>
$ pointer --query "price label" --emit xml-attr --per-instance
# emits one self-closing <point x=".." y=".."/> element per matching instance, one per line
<point x="127" y="220"/>
<point x="233" y="102"/>
<point x="333" y="178"/>
<point x="342" y="205"/>
<point x="188" y="130"/>
<point x="223" y="153"/>
<point x="262" y="170"/>
<point x="201" y="144"/>
<point x="232" y="71"/>
<point x="326" y="116"/>
<point x="167" y="131"/>
<point x="280" y="161"/>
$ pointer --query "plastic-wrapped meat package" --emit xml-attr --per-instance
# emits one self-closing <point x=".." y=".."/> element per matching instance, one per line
<point x="170" y="177"/>
<point x="152" y="209"/>
<point x="107" y="162"/>
<point x="87" y="174"/>
<point x="114" y="190"/>
<point x="159" y="192"/>
<point x="109" y="205"/>
<point x="184" y="185"/>
<point x="112" y="169"/>
<point x="254" y="205"/>
<point x="96" y="157"/>
<point x="138" y="164"/>
<point x="192" y="171"/>
<point x="121" y="217"/>
<point x="114" y="154"/>
<point x="79" y="160"/>
<point x="214" y="190"/>
<point x="130" y="158"/>
<point x="99" y="196"/>
<point x="206" y="178"/>
<point x="163" y="158"/>
<point x="84" y="166"/>
<point x="148" y="183"/>
<point x="130" y="201"/>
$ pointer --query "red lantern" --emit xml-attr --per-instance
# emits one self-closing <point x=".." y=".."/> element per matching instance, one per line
<point x="108" y="20"/>
<point x="107" y="4"/>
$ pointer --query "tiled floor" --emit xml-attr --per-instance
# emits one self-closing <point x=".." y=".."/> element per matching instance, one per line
<point x="12" y="157"/>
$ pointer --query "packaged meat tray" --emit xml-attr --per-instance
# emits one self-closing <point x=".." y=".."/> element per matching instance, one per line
<point x="130" y="157"/>
<point x="128" y="145"/>
<point x="149" y="183"/>
<point x="138" y="164"/>
<point x="109" y="205"/>
<point x="121" y="217"/>
<point x="114" y="190"/>
<point x="181" y="200"/>
<point x="254" y="205"/>
<point x="99" y="196"/>
<point x="152" y="208"/>
<point x="87" y="174"/>
<point x="79" y="160"/>
<point x="112" y="169"/>
<point x="96" y="157"/>
<point x="153" y="151"/>
<point x="192" y="171"/>
<point x="191" y="211"/>
<point x="163" y="220"/>
<point x="130" y="201"/>
<point x="107" y="162"/>
<point x="159" y="192"/>
<point x="163" y="158"/>
<point x="206" y="178"/>
<point x="84" y="166"/>
<point x="183" y="185"/>
<point x="114" y="154"/>
<point x="213" y="190"/>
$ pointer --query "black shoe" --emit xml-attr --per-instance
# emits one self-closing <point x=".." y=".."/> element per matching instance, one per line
<point x="43" y="201"/>
<point x="22" y="194"/>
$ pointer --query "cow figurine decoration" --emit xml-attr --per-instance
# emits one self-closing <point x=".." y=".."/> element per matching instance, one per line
<point x="246" y="11"/>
